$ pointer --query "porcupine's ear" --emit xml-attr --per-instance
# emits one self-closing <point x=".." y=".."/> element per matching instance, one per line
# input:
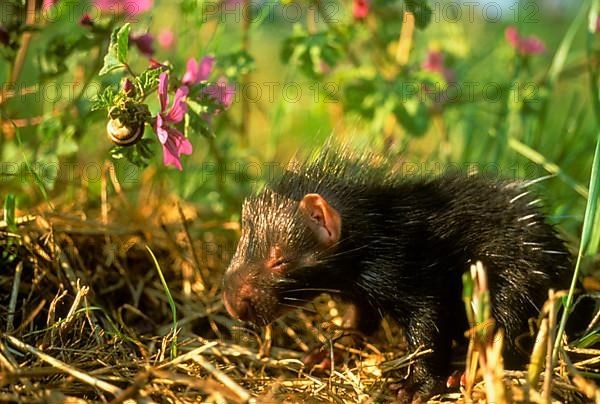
<point x="323" y="220"/>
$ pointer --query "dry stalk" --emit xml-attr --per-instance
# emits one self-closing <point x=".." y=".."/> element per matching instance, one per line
<point x="76" y="373"/>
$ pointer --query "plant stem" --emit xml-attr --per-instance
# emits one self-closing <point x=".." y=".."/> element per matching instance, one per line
<point x="245" y="120"/>
<point x="15" y="69"/>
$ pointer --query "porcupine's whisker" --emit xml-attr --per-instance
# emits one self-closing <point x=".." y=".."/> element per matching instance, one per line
<point x="341" y="253"/>
<point x="324" y="290"/>
<point x="536" y="180"/>
<point x="303" y="308"/>
<point x="283" y="281"/>
<point x="296" y="299"/>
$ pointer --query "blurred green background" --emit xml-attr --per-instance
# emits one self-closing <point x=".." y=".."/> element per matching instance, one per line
<point x="301" y="79"/>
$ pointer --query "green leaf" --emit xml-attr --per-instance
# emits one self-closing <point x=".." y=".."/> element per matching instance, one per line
<point x="421" y="10"/>
<point x="148" y="79"/>
<point x="66" y="145"/>
<point x="104" y="99"/>
<point x="116" y="56"/>
<point x="197" y="108"/>
<point x="589" y="234"/>
<point x="138" y="154"/>
<point x="413" y="116"/>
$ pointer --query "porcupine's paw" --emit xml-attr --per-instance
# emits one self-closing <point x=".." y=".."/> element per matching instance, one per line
<point x="413" y="392"/>
<point x="320" y="359"/>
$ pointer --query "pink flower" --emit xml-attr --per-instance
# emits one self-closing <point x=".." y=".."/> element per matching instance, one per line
<point x="360" y="9"/>
<point x="198" y="71"/>
<point x="143" y="42"/>
<point x="434" y="62"/>
<point x="127" y="7"/>
<point x="166" y="39"/>
<point x="86" y="20"/>
<point x="128" y="87"/>
<point x="46" y="4"/>
<point x="173" y="141"/>
<point x="221" y="92"/>
<point x="155" y="64"/>
<point x="530" y="45"/>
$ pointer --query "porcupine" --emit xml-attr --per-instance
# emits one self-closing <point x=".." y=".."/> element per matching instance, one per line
<point x="394" y="245"/>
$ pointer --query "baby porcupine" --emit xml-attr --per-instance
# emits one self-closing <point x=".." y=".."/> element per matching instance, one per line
<point x="394" y="245"/>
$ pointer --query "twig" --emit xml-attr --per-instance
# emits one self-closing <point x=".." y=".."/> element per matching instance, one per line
<point x="547" y="388"/>
<point x="140" y="380"/>
<point x="19" y="220"/>
<point x="22" y="52"/>
<point x="242" y="393"/>
<point x="191" y="244"/>
<point x="81" y="293"/>
<point x="12" y="304"/>
<point x="187" y="356"/>
<point x="405" y="40"/>
<point x="76" y="373"/>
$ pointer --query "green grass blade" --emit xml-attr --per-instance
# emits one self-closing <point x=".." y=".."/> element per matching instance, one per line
<point x="36" y="178"/>
<point x="548" y="165"/>
<point x="586" y="236"/>
<point x="560" y="57"/>
<point x="594" y="238"/>
<point x="9" y="212"/>
<point x="171" y="304"/>
<point x="588" y="232"/>
<point x="591" y="232"/>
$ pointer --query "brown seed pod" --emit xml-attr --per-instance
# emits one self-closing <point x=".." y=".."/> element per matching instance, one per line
<point x="124" y="135"/>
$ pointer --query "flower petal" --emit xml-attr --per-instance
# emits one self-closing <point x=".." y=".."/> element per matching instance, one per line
<point x="144" y="43"/>
<point x="221" y="91"/>
<point x="191" y="72"/>
<point x="166" y="39"/>
<point x="524" y="45"/>
<point x="127" y="7"/>
<point x="161" y="129"/>
<point x="206" y="66"/>
<point x="46" y="4"/>
<point x="176" y="145"/>
<point x="531" y="46"/>
<point x="360" y="9"/>
<point x="179" y="107"/>
<point x="163" y="87"/>
<point x="512" y="36"/>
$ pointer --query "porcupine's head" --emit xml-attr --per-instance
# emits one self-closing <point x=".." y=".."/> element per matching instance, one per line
<point x="278" y="263"/>
<point x="296" y="233"/>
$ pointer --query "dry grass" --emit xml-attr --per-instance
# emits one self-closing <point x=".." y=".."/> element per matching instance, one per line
<point x="86" y="318"/>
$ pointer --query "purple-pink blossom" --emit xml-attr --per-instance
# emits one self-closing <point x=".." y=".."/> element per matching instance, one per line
<point x="144" y="43"/>
<point x="530" y="45"/>
<point x="46" y="4"/>
<point x="128" y="86"/>
<point x="434" y="62"/>
<point x="86" y="21"/>
<point x="173" y="141"/>
<point x="360" y="9"/>
<point x="221" y="91"/>
<point x="198" y="71"/>
<point x="155" y="64"/>
<point x="126" y="7"/>
<point x="166" y="39"/>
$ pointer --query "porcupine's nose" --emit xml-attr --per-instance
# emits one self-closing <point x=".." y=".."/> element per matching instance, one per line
<point x="237" y="297"/>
